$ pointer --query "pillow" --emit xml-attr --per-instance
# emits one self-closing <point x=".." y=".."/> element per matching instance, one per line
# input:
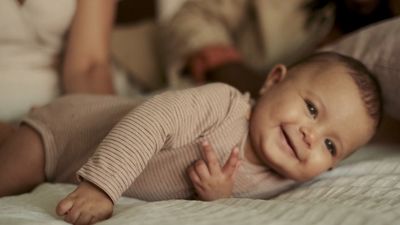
<point x="378" y="47"/>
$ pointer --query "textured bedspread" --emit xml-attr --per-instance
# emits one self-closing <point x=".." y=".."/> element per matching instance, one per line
<point x="364" y="190"/>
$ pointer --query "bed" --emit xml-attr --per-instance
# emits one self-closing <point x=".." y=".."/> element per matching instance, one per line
<point x="364" y="189"/>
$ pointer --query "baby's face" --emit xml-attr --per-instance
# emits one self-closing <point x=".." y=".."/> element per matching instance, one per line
<point x="309" y="120"/>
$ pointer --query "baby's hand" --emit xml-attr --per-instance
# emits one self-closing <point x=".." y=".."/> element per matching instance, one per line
<point x="209" y="179"/>
<point x="86" y="205"/>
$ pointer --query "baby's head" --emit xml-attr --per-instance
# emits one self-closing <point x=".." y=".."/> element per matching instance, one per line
<point x="315" y="114"/>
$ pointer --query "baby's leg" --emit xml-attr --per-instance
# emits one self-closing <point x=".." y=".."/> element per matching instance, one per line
<point x="5" y="131"/>
<point x="86" y="205"/>
<point x="22" y="162"/>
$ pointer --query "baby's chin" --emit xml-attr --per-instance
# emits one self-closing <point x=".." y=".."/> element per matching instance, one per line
<point x="290" y="173"/>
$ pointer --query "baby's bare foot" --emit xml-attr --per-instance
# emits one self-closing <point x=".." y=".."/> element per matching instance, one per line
<point x="86" y="205"/>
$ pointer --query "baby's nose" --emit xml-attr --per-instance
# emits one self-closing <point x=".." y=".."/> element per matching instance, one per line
<point x="309" y="136"/>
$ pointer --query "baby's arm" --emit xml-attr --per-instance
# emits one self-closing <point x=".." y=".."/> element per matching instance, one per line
<point x="122" y="156"/>
<point x="210" y="180"/>
<point x="126" y="150"/>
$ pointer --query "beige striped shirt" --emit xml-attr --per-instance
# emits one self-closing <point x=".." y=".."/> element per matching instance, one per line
<point x="147" y="153"/>
<point x="143" y="150"/>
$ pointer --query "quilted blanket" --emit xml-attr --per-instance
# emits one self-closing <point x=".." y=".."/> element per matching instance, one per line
<point x="364" y="189"/>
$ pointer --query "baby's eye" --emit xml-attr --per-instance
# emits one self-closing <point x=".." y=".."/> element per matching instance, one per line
<point x="330" y="146"/>
<point x="311" y="108"/>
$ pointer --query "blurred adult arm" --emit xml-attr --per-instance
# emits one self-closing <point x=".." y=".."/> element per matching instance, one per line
<point x="202" y="26"/>
<point x="86" y="66"/>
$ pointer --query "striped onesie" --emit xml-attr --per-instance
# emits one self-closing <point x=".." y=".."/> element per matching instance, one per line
<point x="142" y="149"/>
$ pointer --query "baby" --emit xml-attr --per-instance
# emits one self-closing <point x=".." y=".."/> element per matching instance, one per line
<point x="307" y="119"/>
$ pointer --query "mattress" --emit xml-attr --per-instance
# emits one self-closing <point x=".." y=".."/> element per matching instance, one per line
<point x="364" y="189"/>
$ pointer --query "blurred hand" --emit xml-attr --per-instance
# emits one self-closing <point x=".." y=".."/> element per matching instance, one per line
<point x="209" y="58"/>
<point x="239" y="75"/>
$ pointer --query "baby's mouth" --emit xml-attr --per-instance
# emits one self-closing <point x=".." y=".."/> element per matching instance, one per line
<point x="289" y="143"/>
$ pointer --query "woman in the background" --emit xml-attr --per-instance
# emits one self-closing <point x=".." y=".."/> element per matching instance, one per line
<point x="49" y="48"/>
<point x="237" y="41"/>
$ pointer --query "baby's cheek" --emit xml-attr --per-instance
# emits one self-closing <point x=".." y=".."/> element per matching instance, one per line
<point x="318" y="164"/>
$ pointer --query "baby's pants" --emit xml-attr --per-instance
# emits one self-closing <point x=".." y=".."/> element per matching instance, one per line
<point x="72" y="127"/>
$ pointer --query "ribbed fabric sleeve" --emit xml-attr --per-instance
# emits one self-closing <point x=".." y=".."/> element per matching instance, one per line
<point x="167" y="118"/>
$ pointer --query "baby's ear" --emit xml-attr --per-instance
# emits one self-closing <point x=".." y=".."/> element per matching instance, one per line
<point x="276" y="75"/>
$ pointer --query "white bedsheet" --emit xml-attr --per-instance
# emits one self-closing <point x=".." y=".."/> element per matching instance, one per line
<point x="365" y="189"/>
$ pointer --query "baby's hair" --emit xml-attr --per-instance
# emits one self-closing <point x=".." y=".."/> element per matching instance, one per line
<point x="365" y="80"/>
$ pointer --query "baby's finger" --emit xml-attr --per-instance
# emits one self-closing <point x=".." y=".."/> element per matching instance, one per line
<point x="211" y="158"/>
<point x="231" y="164"/>
<point x="64" y="206"/>
<point x="72" y="215"/>
<point x="193" y="176"/>
<point x="236" y="168"/>
<point x="94" y="220"/>
<point x="201" y="169"/>
<point x="84" y="219"/>
<point x="199" y="191"/>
